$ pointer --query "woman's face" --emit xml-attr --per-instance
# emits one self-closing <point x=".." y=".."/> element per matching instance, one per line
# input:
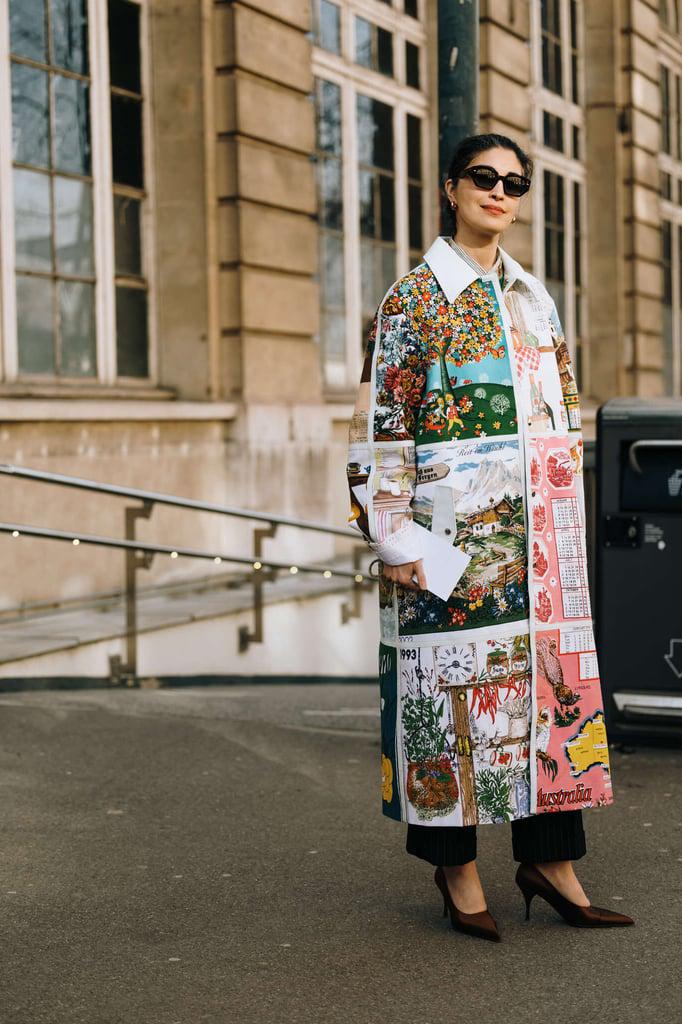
<point x="473" y="203"/>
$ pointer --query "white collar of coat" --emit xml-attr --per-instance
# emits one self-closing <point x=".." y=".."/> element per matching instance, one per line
<point x="454" y="274"/>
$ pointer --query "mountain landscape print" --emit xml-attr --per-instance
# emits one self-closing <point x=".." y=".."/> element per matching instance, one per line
<point x="471" y="493"/>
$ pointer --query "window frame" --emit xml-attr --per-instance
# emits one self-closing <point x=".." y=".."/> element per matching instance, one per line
<point x="354" y="79"/>
<point x="102" y="214"/>
<point x="569" y="168"/>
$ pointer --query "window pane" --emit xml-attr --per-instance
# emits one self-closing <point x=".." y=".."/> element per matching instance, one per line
<point x="328" y="117"/>
<point x="384" y="52"/>
<point x="553" y="131"/>
<point x="30" y="135"/>
<point x="35" y="328"/>
<point x="131" y="332"/>
<point x="375" y="132"/>
<point x="412" y="65"/>
<point x="73" y="226"/>
<point x="331" y="271"/>
<point x="329" y="187"/>
<point x="411" y="8"/>
<point x="363" y="42"/>
<point x="328" y="26"/>
<point x="414" y="197"/>
<point x="32" y="225"/>
<point x="333" y="328"/>
<point x="126" y="132"/>
<point x="377" y="269"/>
<point x="127" y="235"/>
<point x="69" y="35"/>
<point x="124" y="45"/>
<point x="414" y="148"/>
<point x="77" y="328"/>
<point x="387" y="208"/>
<point x="377" y="205"/>
<point x="368" y="204"/>
<point x="665" y="109"/>
<point x="28" y="36"/>
<point x="71" y="135"/>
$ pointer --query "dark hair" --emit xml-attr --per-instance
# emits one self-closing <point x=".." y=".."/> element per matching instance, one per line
<point x="469" y="147"/>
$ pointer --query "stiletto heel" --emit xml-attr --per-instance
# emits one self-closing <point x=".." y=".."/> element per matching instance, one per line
<point x="532" y="882"/>
<point x="528" y="896"/>
<point x="481" y="924"/>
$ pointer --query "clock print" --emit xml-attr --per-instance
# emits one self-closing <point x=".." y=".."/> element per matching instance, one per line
<point x="455" y="665"/>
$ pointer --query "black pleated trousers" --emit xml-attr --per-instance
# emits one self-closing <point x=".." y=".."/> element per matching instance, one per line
<point x="553" y="835"/>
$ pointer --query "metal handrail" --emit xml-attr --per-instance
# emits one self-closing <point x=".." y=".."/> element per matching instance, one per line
<point x="159" y="498"/>
<point x="20" y="529"/>
<point x="140" y="555"/>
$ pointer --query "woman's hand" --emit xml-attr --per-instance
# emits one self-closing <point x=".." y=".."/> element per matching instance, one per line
<point x="403" y="574"/>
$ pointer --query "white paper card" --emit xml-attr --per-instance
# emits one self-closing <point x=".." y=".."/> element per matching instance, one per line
<point x="443" y="563"/>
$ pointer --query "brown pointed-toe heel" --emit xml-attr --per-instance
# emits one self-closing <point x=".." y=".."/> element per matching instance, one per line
<point x="532" y="882"/>
<point x="481" y="924"/>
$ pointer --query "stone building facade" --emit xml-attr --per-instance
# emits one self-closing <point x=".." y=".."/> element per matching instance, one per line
<point x="202" y="202"/>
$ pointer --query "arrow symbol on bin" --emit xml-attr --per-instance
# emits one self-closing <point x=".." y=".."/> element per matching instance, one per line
<point x="670" y="658"/>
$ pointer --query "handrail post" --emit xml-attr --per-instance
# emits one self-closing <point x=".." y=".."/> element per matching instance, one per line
<point x="353" y="610"/>
<point x="134" y="560"/>
<point x="260" y="577"/>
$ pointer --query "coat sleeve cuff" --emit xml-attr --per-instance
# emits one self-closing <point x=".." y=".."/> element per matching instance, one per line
<point x="399" y="547"/>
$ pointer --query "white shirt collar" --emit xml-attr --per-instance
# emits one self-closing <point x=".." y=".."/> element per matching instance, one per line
<point x="454" y="274"/>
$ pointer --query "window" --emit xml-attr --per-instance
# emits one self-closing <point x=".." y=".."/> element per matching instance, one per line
<point x="52" y="184"/>
<point x="376" y="188"/>
<point x="412" y="65"/>
<point x="329" y="153"/>
<point x="373" y="47"/>
<point x="74" y="291"/>
<point x="374" y="204"/>
<point x="671" y="260"/>
<point x="415" y="187"/>
<point x="666" y="112"/>
<point x="552" y="72"/>
<point x="412" y="8"/>
<point x="669" y="14"/>
<point x="553" y="131"/>
<point x="670" y="86"/>
<point x="559" y="197"/>
<point x="328" y="26"/>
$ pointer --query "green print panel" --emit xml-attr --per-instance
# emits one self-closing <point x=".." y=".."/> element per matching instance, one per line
<point x="469" y="391"/>
<point x="388" y="689"/>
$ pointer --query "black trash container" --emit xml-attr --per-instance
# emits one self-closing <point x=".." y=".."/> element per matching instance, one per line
<point x="638" y="564"/>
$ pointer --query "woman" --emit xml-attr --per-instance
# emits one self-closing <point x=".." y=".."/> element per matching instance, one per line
<point x="491" y="707"/>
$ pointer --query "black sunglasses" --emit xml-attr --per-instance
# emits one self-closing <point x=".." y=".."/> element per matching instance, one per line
<point x="486" y="177"/>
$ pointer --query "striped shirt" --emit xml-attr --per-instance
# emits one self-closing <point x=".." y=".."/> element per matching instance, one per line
<point x="498" y="266"/>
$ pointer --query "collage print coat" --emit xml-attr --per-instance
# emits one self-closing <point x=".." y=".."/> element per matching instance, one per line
<point x="467" y="424"/>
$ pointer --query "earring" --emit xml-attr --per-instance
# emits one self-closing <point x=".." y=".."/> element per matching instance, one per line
<point x="453" y="205"/>
<point x="513" y="219"/>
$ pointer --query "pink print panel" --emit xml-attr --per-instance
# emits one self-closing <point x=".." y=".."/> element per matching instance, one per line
<point x="572" y="750"/>
<point x="559" y="590"/>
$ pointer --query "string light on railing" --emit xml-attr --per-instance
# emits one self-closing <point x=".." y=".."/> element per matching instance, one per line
<point x="75" y="541"/>
<point x="217" y="559"/>
<point x="174" y="554"/>
<point x="327" y="573"/>
<point x="293" y="569"/>
<point x="15" y="533"/>
<point x="258" y="565"/>
<point x="358" y="577"/>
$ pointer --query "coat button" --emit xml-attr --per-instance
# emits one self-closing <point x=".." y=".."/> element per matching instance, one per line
<point x="448" y="532"/>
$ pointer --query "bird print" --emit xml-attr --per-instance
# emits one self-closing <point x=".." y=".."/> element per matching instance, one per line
<point x="543" y="733"/>
<point x="550" y="666"/>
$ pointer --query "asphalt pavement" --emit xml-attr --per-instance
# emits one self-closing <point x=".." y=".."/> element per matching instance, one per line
<point x="218" y="854"/>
